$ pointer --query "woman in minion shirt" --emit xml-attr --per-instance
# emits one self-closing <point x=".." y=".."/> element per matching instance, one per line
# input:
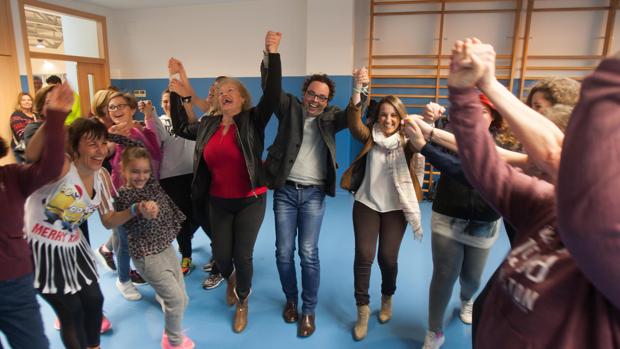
<point x="65" y="272"/>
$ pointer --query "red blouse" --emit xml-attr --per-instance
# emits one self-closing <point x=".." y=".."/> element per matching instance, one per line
<point x="229" y="174"/>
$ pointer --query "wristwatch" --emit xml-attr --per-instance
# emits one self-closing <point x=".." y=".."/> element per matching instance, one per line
<point x="187" y="99"/>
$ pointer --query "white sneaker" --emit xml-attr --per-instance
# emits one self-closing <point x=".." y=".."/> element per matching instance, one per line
<point x="433" y="340"/>
<point x="128" y="290"/>
<point x="467" y="309"/>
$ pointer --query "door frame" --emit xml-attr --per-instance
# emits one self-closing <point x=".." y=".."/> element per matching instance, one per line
<point x="83" y="70"/>
<point x="102" y="37"/>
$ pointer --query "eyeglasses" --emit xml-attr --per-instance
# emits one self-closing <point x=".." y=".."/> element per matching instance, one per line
<point x="313" y="95"/>
<point x="117" y="107"/>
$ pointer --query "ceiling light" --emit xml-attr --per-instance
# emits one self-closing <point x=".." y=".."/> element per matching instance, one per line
<point x="39" y="44"/>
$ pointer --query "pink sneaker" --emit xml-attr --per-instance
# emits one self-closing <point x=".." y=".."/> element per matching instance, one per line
<point x="187" y="343"/>
<point x="106" y="325"/>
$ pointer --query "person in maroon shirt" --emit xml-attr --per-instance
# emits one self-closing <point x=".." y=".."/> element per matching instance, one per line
<point x="228" y="189"/>
<point x="20" y="319"/>
<point x="588" y="183"/>
<point x="543" y="297"/>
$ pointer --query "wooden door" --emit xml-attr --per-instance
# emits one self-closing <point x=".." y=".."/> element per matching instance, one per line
<point x="9" y="71"/>
<point x="91" y="78"/>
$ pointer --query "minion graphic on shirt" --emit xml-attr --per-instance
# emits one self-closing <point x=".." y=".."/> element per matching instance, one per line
<point x="65" y="206"/>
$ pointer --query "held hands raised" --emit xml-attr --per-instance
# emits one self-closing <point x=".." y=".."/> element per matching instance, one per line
<point x="361" y="77"/>
<point x="179" y="88"/>
<point x="146" y="107"/>
<point x="472" y="63"/>
<point x="433" y="112"/>
<point x="413" y="131"/>
<point x="272" y="41"/>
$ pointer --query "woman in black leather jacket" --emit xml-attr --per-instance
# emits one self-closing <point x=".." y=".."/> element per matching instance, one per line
<point x="228" y="187"/>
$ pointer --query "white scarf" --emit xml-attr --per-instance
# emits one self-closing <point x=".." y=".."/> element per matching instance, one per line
<point x="397" y="164"/>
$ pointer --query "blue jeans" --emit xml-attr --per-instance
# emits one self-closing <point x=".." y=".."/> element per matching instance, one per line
<point x="299" y="211"/>
<point x="122" y="255"/>
<point x="20" y="318"/>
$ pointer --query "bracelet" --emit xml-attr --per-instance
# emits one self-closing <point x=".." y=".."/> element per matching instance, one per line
<point x="361" y="90"/>
<point x="187" y="99"/>
<point x="134" y="210"/>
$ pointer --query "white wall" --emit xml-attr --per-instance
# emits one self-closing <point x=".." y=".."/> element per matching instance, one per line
<point x="211" y="40"/>
<point x="329" y="37"/>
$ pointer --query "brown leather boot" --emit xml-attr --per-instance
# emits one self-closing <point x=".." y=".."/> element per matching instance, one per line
<point x="386" y="309"/>
<point x="290" y="313"/>
<point x="231" y="298"/>
<point x="361" y="326"/>
<point x="306" y="326"/>
<point x="241" y="316"/>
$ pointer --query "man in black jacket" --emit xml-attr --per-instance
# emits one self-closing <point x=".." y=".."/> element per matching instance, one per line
<point x="301" y="169"/>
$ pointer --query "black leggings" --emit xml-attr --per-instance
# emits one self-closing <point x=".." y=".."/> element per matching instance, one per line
<point x="80" y="316"/>
<point x="370" y="226"/>
<point x="179" y="189"/>
<point x="235" y="224"/>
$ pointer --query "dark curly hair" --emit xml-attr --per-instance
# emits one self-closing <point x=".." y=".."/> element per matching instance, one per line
<point x="556" y="90"/>
<point x="82" y="127"/>
<point x="320" y="78"/>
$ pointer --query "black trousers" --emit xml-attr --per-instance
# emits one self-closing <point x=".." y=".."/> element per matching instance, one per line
<point x="179" y="188"/>
<point x="388" y="229"/>
<point x="235" y="224"/>
<point x="80" y="316"/>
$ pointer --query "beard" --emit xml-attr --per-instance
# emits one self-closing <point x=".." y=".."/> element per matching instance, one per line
<point x="3" y="148"/>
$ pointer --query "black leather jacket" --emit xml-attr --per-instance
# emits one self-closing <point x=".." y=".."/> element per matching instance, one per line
<point x="250" y="132"/>
<point x="283" y="152"/>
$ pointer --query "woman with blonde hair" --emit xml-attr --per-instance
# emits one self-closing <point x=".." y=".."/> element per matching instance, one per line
<point x="20" y="118"/>
<point x="229" y="187"/>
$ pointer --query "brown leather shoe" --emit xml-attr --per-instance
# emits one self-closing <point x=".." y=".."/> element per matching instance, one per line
<point x="231" y="298"/>
<point x="290" y="313"/>
<point x="241" y="316"/>
<point x="306" y="326"/>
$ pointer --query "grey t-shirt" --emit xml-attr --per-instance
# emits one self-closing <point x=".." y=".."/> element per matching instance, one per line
<point x="311" y="162"/>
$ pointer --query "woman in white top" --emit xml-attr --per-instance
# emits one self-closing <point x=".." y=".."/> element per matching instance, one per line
<point x="386" y="200"/>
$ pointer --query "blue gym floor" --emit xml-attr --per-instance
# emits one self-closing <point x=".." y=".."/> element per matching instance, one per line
<point x="208" y="321"/>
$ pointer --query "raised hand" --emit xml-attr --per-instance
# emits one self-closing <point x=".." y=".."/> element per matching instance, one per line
<point x="433" y="112"/>
<point x="179" y="87"/>
<point x="60" y="98"/>
<point x="361" y="77"/>
<point x="483" y="59"/>
<point x="413" y="132"/>
<point x="177" y="70"/>
<point x="272" y="41"/>
<point x="174" y="66"/>
<point x="146" y="107"/>
<point x="462" y="70"/>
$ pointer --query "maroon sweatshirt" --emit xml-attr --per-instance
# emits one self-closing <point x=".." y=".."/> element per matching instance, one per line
<point x="540" y="299"/>
<point x="17" y="182"/>
<point x="589" y="181"/>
